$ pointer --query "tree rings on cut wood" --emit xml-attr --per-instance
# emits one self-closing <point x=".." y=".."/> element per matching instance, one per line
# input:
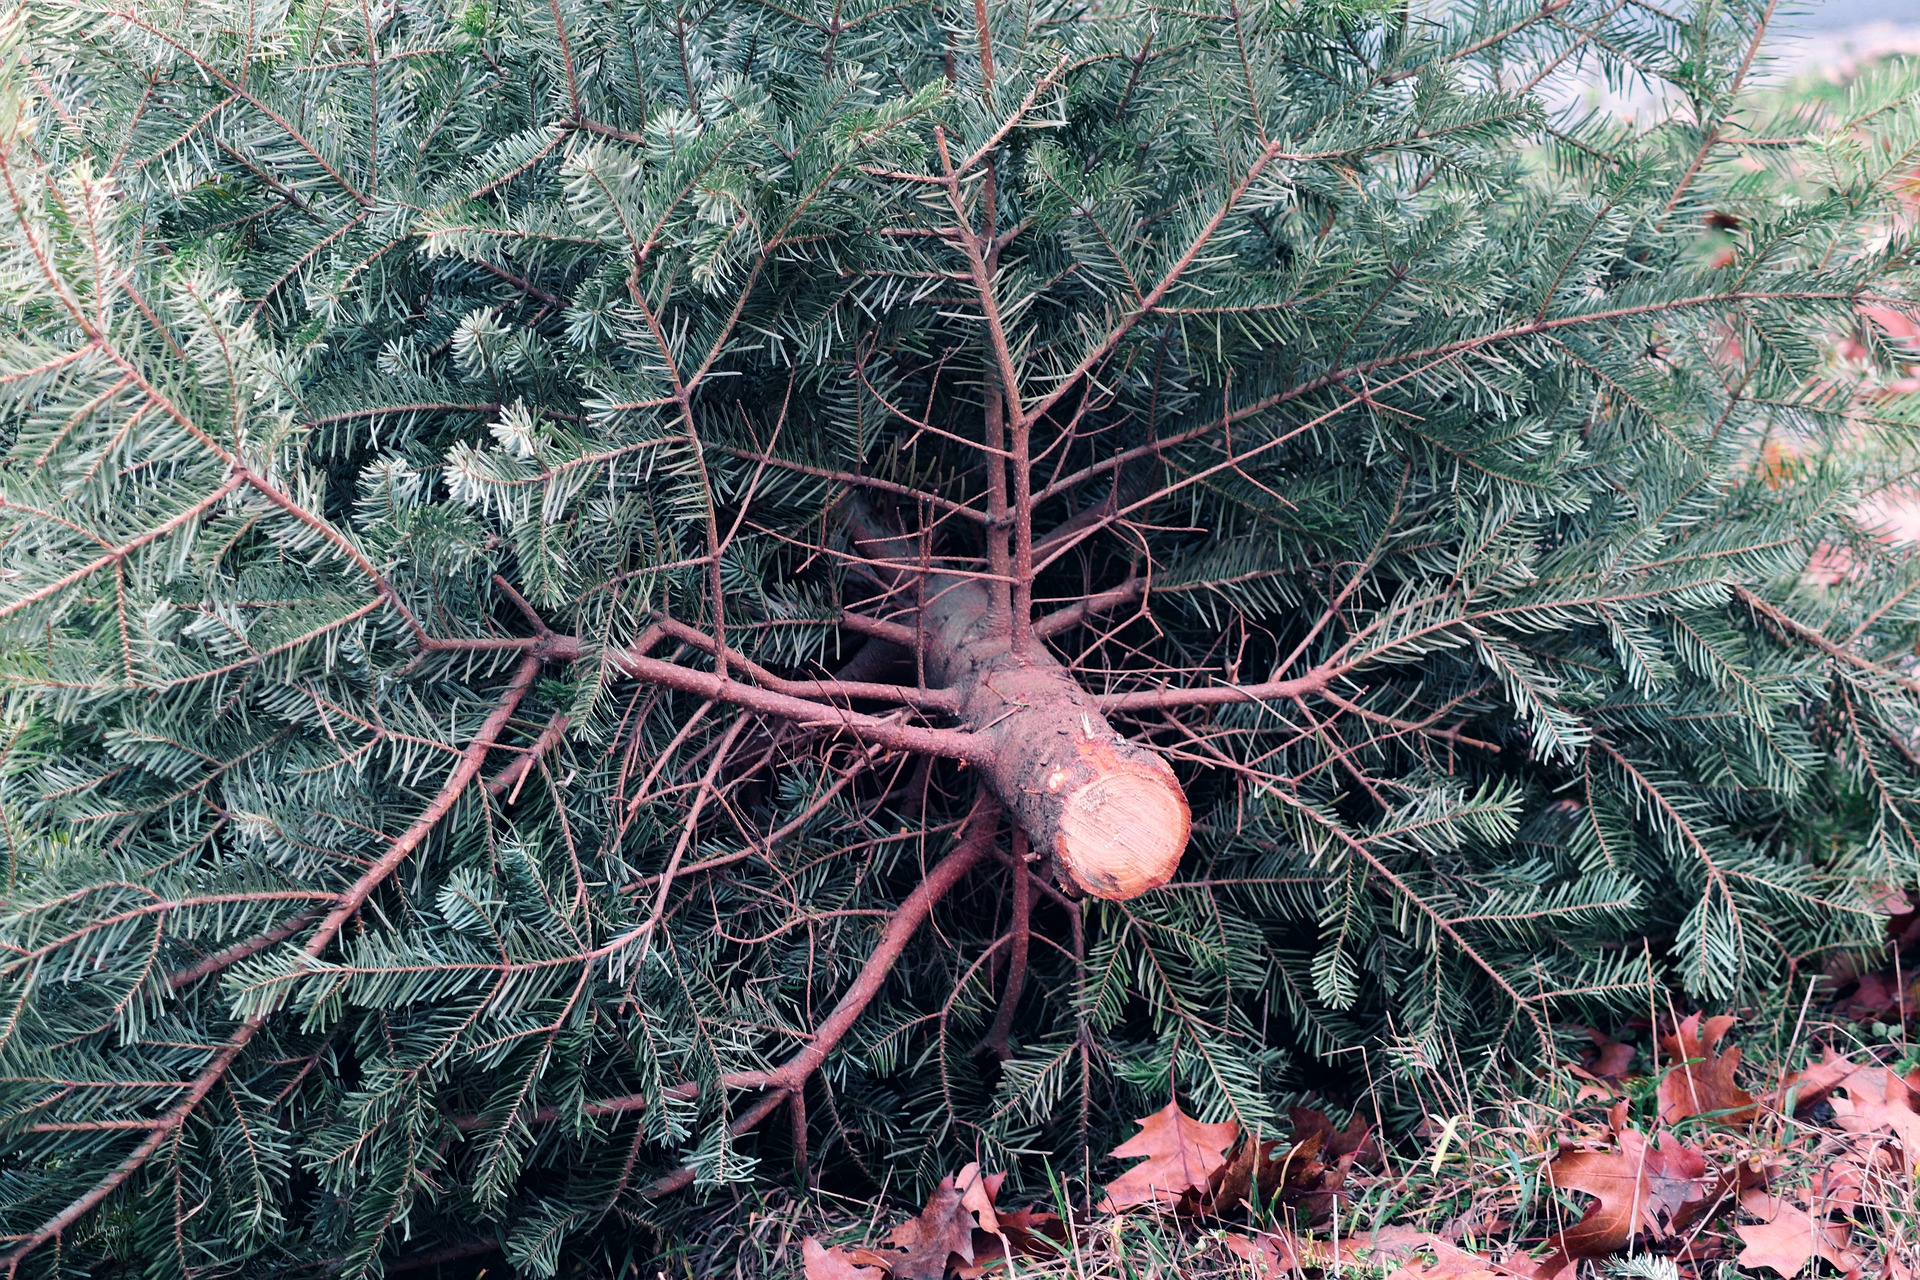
<point x="1123" y="833"/>
<point x="1109" y="810"/>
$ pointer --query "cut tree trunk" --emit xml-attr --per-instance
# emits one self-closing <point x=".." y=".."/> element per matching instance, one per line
<point x="1110" y="811"/>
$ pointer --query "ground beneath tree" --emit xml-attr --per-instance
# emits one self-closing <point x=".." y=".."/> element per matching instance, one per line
<point x="1782" y="1144"/>
<point x="1676" y="1171"/>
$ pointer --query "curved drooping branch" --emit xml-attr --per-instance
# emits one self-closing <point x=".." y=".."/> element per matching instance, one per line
<point x="1108" y="810"/>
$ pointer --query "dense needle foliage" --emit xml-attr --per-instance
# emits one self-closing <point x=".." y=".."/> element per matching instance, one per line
<point x="1367" y="429"/>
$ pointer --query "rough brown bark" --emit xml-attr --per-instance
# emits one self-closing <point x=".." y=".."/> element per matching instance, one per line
<point x="1110" y="811"/>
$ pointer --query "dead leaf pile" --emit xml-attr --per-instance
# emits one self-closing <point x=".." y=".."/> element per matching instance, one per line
<point x="1211" y="1170"/>
<point x="959" y="1232"/>
<point x="1839" y="1127"/>
<point x="1807" y="1173"/>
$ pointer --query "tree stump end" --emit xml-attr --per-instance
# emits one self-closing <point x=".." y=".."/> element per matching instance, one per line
<point x="1123" y="833"/>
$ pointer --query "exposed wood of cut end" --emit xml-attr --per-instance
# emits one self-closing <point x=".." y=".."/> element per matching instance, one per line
<point x="1123" y="833"/>
<point x="1109" y="810"/>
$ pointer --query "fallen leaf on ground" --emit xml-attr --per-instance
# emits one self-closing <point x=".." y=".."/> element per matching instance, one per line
<point x="977" y="1191"/>
<point x="1031" y="1233"/>
<point x="1805" y="1087"/>
<point x="1251" y="1173"/>
<point x="1386" y="1244"/>
<point x="1305" y="1179"/>
<point x="1877" y="1100"/>
<point x="944" y="1229"/>
<point x="1702" y="1079"/>
<point x="1356" y="1140"/>
<point x="1311" y="1188"/>
<point x="960" y="1231"/>
<point x="1592" y="1088"/>
<point x="1180" y="1155"/>
<point x="1450" y="1262"/>
<point x="1273" y="1256"/>
<point x="1608" y="1059"/>
<point x="822" y="1263"/>
<point x="1840" y="1186"/>
<point x="1903" y="916"/>
<point x="1787" y="1239"/>
<point x="1880" y="997"/>
<point x="1282" y="1254"/>
<point x="1641" y="1189"/>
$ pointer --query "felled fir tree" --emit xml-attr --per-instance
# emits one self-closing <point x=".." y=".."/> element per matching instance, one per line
<point x="605" y="599"/>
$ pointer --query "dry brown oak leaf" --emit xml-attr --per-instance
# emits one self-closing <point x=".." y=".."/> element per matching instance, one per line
<point x="1701" y="1082"/>
<point x="1800" y="1089"/>
<point x="918" y="1249"/>
<point x="1602" y="1068"/>
<point x="1278" y="1254"/>
<point x="1787" y="1238"/>
<point x="1641" y="1189"/>
<point x="1031" y="1232"/>
<point x="1179" y="1156"/>
<point x="943" y="1230"/>
<point x="1340" y="1150"/>
<point x="1450" y="1262"/>
<point x="959" y="1231"/>
<point x="822" y="1263"/>
<point x="1269" y="1256"/>
<point x="1878" y="1101"/>
<point x="1880" y="997"/>
<point x="1253" y="1173"/>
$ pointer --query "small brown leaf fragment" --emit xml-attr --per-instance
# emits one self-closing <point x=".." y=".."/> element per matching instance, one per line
<point x="1701" y="1082"/>
<point x="977" y="1191"/>
<point x="1033" y="1232"/>
<point x="1250" y="1174"/>
<point x="1903" y="922"/>
<point x="1282" y="1254"/>
<point x="1179" y="1155"/>
<point x="1592" y="1088"/>
<point x="1272" y="1256"/>
<point x="1787" y="1239"/>
<point x="1840" y="1186"/>
<point x="1608" y="1059"/>
<point x="822" y="1263"/>
<point x="1880" y="997"/>
<point x="1640" y="1190"/>
<point x="943" y="1229"/>
<point x="1356" y="1140"/>
<point x="1255" y="1173"/>
<point x="998" y="1231"/>
<point x="1387" y="1244"/>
